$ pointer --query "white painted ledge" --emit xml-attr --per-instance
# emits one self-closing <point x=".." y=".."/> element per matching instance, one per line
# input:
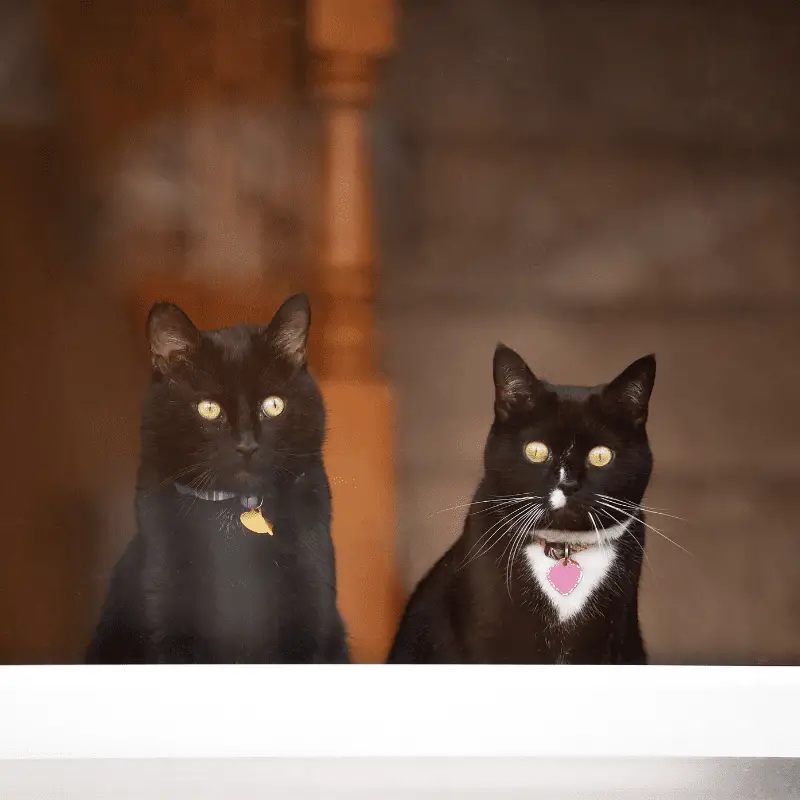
<point x="367" y="711"/>
<point x="398" y="779"/>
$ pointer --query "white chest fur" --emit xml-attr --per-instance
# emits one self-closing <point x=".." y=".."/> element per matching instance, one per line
<point x="596" y="562"/>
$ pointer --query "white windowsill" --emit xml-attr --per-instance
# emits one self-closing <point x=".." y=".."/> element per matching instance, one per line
<point x="319" y="711"/>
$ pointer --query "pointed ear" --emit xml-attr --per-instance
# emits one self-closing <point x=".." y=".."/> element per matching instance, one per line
<point x="173" y="337"/>
<point x="288" y="331"/>
<point x="515" y="385"/>
<point x="630" y="390"/>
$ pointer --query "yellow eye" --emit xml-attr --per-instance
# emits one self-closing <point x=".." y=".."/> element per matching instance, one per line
<point x="273" y="406"/>
<point x="208" y="409"/>
<point x="537" y="452"/>
<point x="600" y="456"/>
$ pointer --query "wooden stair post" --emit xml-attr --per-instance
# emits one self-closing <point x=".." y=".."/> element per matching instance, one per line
<point x="347" y="38"/>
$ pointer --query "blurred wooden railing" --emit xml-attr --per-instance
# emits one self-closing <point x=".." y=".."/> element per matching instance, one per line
<point x="347" y="38"/>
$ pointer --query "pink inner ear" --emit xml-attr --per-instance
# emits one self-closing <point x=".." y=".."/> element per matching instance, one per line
<point x="564" y="577"/>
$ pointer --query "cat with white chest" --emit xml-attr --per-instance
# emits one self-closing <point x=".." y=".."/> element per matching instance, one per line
<point x="547" y="568"/>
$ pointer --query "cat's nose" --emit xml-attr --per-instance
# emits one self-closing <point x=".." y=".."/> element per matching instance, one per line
<point x="246" y="446"/>
<point x="569" y="486"/>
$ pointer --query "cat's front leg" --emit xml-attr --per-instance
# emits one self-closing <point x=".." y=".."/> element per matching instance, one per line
<point x="172" y="648"/>
<point x="337" y="650"/>
<point x="632" y="650"/>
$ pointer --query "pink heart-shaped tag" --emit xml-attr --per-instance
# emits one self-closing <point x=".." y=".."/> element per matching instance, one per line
<point x="565" y="577"/>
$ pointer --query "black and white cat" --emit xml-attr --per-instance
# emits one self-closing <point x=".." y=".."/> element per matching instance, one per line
<point x="547" y="568"/>
<point x="232" y="421"/>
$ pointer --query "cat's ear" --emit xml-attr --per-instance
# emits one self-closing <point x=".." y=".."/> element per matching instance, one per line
<point x="630" y="391"/>
<point x="173" y="337"/>
<point x="288" y="331"/>
<point x="515" y="385"/>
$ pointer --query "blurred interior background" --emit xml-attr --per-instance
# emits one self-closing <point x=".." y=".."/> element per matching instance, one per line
<point x="587" y="181"/>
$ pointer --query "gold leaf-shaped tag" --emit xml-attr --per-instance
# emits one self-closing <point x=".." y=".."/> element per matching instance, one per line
<point x="254" y="521"/>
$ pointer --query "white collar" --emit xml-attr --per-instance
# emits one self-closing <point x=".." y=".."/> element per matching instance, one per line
<point x="217" y="496"/>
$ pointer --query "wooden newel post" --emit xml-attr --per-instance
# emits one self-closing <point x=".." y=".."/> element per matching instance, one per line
<point x="347" y="38"/>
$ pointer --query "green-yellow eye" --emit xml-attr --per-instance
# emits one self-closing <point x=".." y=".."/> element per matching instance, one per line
<point x="208" y="409"/>
<point x="537" y="452"/>
<point x="273" y="406"/>
<point x="600" y="456"/>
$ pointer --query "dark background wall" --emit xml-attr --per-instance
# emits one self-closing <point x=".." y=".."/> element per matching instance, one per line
<point x="590" y="181"/>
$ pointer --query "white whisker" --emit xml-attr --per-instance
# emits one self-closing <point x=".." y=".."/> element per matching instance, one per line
<point x="526" y="529"/>
<point x="630" y="533"/>
<point x="500" y="501"/>
<point x="600" y="542"/>
<point x="640" y="507"/>
<point x="493" y="534"/>
<point x="646" y="524"/>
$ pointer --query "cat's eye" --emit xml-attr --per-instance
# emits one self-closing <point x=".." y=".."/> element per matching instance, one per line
<point x="208" y="409"/>
<point x="273" y="406"/>
<point x="537" y="452"/>
<point x="600" y="456"/>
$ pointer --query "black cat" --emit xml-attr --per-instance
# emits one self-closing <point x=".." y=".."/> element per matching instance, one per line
<point x="232" y="421"/>
<point x="547" y="568"/>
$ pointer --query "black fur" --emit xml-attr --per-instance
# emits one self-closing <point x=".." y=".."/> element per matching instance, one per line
<point x="480" y="605"/>
<point x="194" y="586"/>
